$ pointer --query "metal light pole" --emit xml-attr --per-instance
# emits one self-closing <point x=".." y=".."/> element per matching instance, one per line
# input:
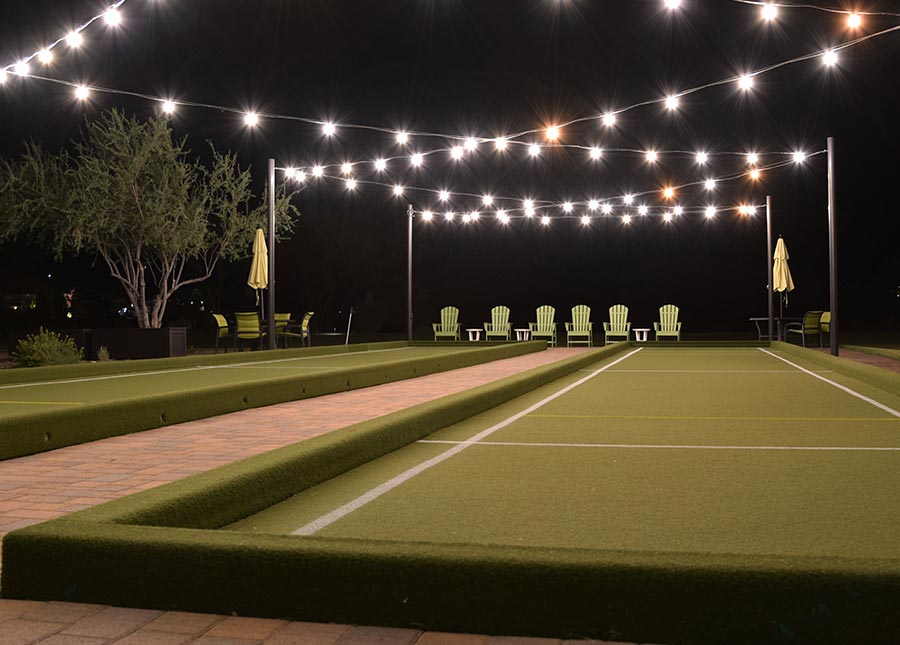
<point x="409" y="274"/>
<point x="832" y="252"/>
<point x="771" y="293"/>
<point x="270" y="325"/>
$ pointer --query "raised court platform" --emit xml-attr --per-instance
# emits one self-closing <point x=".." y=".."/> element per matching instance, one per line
<point x="629" y="493"/>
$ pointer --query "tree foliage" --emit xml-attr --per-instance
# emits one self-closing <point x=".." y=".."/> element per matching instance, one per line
<point x="129" y="193"/>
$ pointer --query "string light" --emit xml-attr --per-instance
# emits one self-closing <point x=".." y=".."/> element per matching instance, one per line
<point x="456" y="152"/>
<point x="3" y="76"/>
<point x="251" y="119"/>
<point x="552" y="133"/>
<point x="402" y="138"/>
<point x="745" y="82"/>
<point x="593" y="205"/>
<point x="444" y="196"/>
<point x="609" y="119"/>
<point x="449" y="215"/>
<point x="710" y="212"/>
<point x="854" y="21"/>
<point x="82" y="93"/>
<point x="351" y="184"/>
<point x="668" y="192"/>
<point x="702" y="157"/>
<point x="417" y="159"/>
<point x="651" y="156"/>
<point x="568" y="207"/>
<point x="346" y="168"/>
<point x="74" y="39"/>
<point x="626" y="219"/>
<point x="545" y="220"/>
<point x="380" y="165"/>
<point x="628" y="200"/>
<point x="710" y="184"/>
<point x="501" y="143"/>
<point x="329" y="129"/>
<point x="21" y="68"/>
<point x="487" y="200"/>
<point x="534" y="150"/>
<point x="671" y="102"/>
<point x="427" y="215"/>
<point x="585" y="220"/>
<point x="769" y="12"/>
<point x="168" y="106"/>
<point x="752" y="158"/>
<point x="830" y="58"/>
<point x="318" y="171"/>
<point x="643" y="210"/>
<point x="672" y="4"/>
<point x="45" y="56"/>
<point x="503" y="216"/>
<point x="606" y="209"/>
<point x="799" y="157"/>
<point x="398" y="190"/>
<point x="596" y="152"/>
<point x="471" y="143"/>
<point x="112" y="17"/>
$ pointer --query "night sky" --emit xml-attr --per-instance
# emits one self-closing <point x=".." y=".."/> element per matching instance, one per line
<point x="487" y="68"/>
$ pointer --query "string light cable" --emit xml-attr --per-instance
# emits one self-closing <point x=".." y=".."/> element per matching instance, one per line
<point x="846" y="12"/>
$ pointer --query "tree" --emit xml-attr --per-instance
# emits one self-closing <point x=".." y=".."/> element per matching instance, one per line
<point x="129" y="193"/>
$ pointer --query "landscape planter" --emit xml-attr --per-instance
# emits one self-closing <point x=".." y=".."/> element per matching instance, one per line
<point x="130" y="343"/>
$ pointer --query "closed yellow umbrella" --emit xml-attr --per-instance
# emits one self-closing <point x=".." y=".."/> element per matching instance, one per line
<point x="782" y="281"/>
<point x="259" y="267"/>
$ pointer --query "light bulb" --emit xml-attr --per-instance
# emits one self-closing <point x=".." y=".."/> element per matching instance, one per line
<point x="552" y="133"/>
<point x="585" y="220"/>
<point x="671" y="102"/>
<point x="318" y="171"/>
<point x="21" y="68"/>
<point x="251" y="119"/>
<point x="534" y="150"/>
<point x="417" y="159"/>
<point x="710" y="212"/>
<point x="745" y="82"/>
<point x="628" y="199"/>
<point x="112" y="17"/>
<point x="402" y="138"/>
<point x="651" y="156"/>
<point x="830" y="58"/>
<point x="168" y="107"/>
<point x="609" y="119"/>
<point x="593" y="205"/>
<point x="81" y="92"/>
<point x="74" y="39"/>
<point x="668" y="192"/>
<point x="752" y="158"/>
<point x="606" y="209"/>
<point x="854" y="21"/>
<point x="710" y="184"/>
<point x="643" y="209"/>
<point x="328" y="129"/>
<point x="545" y="220"/>
<point x="470" y="143"/>
<point x="596" y="153"/>
<point x="487" y="200"/>
<point x="45" y="56"/>
<point x="799" y="157"/>
<point x="427" y="215"/>
<point x="702" y="157"/>
<point x="456" y="152"/>
<point x="351" y="184"/>
<point x="398" y="190"/>
<point x="380" y="165"/>
<point x="443" y="195"/>
<point x="501" y="143"/>
<point x="568" y="207"/>
<point x="626" y="219"/>
<point x="769" y="12"/>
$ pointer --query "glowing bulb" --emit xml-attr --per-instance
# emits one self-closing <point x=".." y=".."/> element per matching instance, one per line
<point x="417" y="159"/>
<point x="45" y="56"/>
<point x="672" y="4"/>
<point x="501" y="143"/>
<point x="751" y="210"/>
<point x="346" y="168"/>
<point x="752" y="158"/>
<point x="503" y="217"/>
<point x="318" y="171"/>
<point x="21" y="68"/>
<point x="799" y="157"/>
<point x="534" y="150"/>
<point x="456" y="152"/>
<point x="168" y="107"/>
<point x="74" y="39"/>
<point x="351" y="184"/>
<point x="475" y="215"/>
<point x="830" y="58"/>
<point x="643" y="209"/>
<point x="742" y="210"/>
<point x="380" y="165"/>
<point x="606" y="209"/>
<point x="552" y="133"/>
<point x="671" y="102"/>
<point x="585" y="220"/>
<point x="444" y="195"/>
<point x="529" y="211"/>
<point x="745" y="82"/>
<point x="328" y="129"/>
<point x="755" y="174"/>
<point x="402" y="138"/>
<point x="667" y="216"/>
<point x="427" y="215"/>
<point x="398" y="190"/>
<point x="487" y="200"/>
<point x="300" y="176"/>
<point x="449" y="215"/>
<point x="467" y="217"/>
<point x="545" y="220"/>
<point x="593" y="205"/>
<point x="568" y="207"/>
<point x="710" y="212"/>
<point x="769" y="12"/>
<point x="678" y="210"/>
<point x="290" y="173"/>
<point x="710" y="184"/>
<point x="112" y="17"/>
<point x="651" y="156"/>
<point x="628" y="199"/>
<point x="609" y="119"/>
<point x="854" y="21"/>
<point x="668" y="192"/>
<point x="251" y="119"/>
<point x="626" y="219"/>
<point x="471" y="143"/>
<point x="81" y="92"/>
<point x="702" y="157"/>
<point x="528" y="203"/>
<point x="3" y="76"/>
<point x="596" y="153"/>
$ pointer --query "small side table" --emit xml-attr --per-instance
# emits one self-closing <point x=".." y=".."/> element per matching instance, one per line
<point x="474" y="333"/>
<point x="640" y="334"/>
<point x="522" y="334"/>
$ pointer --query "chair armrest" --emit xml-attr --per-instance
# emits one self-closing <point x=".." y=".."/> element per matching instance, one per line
<point x="656" y="326"/>
<point x="590" y="326"/>
<point x="435" y="326"/>
<point x="531" y="327"/>
<point x="606" y="326"/>
<point x="678" y="326"/>
<point x="488" y="327"/>
<point x="569" y="326"/>
<point x="794" y="326"/>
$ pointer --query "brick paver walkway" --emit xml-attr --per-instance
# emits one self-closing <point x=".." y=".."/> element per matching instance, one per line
<point x="44" y="486"/>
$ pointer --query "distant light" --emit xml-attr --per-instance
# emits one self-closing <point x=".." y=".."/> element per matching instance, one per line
<point x="346" y="168"/>
<point x="3" y="76"/>
<point x="402" y="138"/>
<point x="501" y="143"/>
<point x="651" y="156"/>
<point x="398" y="190"/>
<point x="596" y="152"/>
<point x="300" y="176"/>
<point x="503" y="217"/>
<point x="752" y="158"/>
<point x="830" y="58"/>
<point x="417" y="159"/>
<point x="251" y="119"/>
<point x="528" y="203"/>
<point x="769" y="12"/>
<point x="668" y="192"/>
<point x="585" y="220"/>
<point x="751" y="210"/>
<point x="626" y="219"/>
<point x="628" y="199"/>
<point x="467" y="217"/>
<point x="45" y="56"/>
<point x="475" y="215"/>
<point x="471" y="143"/>
<point x="710" y="184"/>
<point x="799" y="157"/>
<point x="667" y="216"/>
<point x="21" y="68"/>
<point x="672" y="4"/>
<point x="168" y="107"/>
<point x="606" y="209"/>
<point x="710" y="212"/>
<point x="643" y="209"/>
<point x="529" y="211"/>
<point x="742" y="209"/>
<point x="745" y="82"/>
<point x="534" y="150"/>
<point x="456" y="152"/>
<point x="672" y="102"/>
<point x="593" y="205"/>
<point x="318" y="171"/>
<point x="568" y="207"/>
<point x="487" y="200"/>
<point x="380" y="165"/>
<point x="678" y="210"/>
<point x="74" y="39"/>
<point x="290" y="173"/>
<point x="609" y="119"/>
<point x="112" y="17"/>
<point x="427" y="215"/>
<point x="351" y="184"/>
<point x="81" y="93"/>
<point x="702" y="157"/>
<point x="545" y="220"/>
<point x="449" y="215"/>
<point x="854" y="21"/>
<point x="444" y="195"/>
<point x="329" y="129"/>
<point x="552" y="133"/>
<point x="755" y="174"/>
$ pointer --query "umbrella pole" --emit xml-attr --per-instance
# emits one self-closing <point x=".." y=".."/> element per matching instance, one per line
<point x="832" y="253"/>
<point x="771" y="294"/>
<point x="270" y="327"/>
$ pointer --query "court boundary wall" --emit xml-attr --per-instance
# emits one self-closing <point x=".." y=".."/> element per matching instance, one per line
<point x="154" y="550"/>
<point x="50" y="429"/>
<point x="880" y="378"/>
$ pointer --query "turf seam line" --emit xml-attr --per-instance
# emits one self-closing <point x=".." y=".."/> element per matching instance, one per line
<point x="702" y="418"/>
<point x="707" y="371"/>
<point x="330" y="518"/>
<point x="192" y="369"/>
<point x="844" y="388"/>
<point x="667" y="446"/>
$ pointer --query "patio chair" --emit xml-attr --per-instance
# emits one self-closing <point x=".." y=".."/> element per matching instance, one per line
<point x="499" y="327"/>
<point x="222" y="330"/>
<point x="545" y="327"/>
<point x="581" y="330"/>
<point x="825" y="325"/>
<point x="618" y="325"/>
<point x="668" y="324"/>
<point x="281" y="326"/>
<point x="248" y="328"/>
<point x="809" y="327"/>
<point x="449" y="325"/>
<point x="302" y="333"/>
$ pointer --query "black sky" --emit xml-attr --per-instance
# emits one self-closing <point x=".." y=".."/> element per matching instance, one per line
<point x="492" y="67"/>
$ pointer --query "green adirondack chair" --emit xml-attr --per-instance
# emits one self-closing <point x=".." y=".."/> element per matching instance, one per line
<point x="618" y="325"/>
<point x="581" y="330"/>
<point x="499" y="327"/>
<point x="449" y="325"/>
<point x="668" y="324"/>
<point x="545" y="327"/>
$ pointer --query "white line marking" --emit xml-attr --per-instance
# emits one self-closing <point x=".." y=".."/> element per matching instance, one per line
<point x="667" y="446"/>
<point x="197" y="368"/>
<point x="707" y="371"/>
<point x="878" y="405"/>
<point x="378" y="491"/>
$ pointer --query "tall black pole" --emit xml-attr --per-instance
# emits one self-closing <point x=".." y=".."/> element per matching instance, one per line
<point x="270" y="326"/>
<point x="769" y="253"/>
<point x="832" y="252"/>
<point x="409" y="277"/>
